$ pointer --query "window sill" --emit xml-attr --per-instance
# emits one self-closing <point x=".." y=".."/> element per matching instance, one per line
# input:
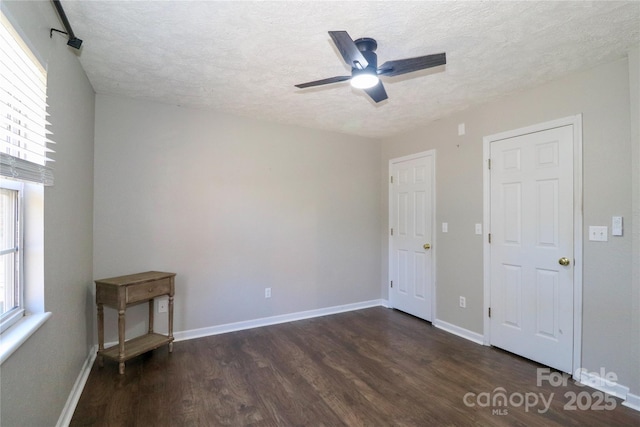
<point x="16" y="335"/>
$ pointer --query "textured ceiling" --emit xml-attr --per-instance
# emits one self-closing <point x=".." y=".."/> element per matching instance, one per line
<point x="244" y="57"/>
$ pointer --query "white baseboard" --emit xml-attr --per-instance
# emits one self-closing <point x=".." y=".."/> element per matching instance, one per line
<point x="461" y="332"/>
<point x="632" y="401"/>
<point x="595" y="380"/>
<point x="274" y="320"/>
<point x="76" y="391"/>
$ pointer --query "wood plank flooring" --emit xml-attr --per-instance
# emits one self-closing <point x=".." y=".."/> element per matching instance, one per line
<point x="373" y="367"/>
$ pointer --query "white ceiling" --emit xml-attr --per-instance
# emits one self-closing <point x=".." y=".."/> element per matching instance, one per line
<point x="244" y="57"/>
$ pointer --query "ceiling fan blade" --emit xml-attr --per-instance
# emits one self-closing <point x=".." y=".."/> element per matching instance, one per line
<point x="323" y="81"/>
<point x="348" y="49"/>
<point x="377" y="93"/>
<point x="403" y="66"/>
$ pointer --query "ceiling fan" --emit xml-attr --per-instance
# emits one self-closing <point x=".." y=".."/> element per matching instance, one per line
<point x="361" y="57"/>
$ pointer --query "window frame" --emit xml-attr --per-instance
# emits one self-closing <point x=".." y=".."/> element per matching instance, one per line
<point x="16" y="313"/>
<point x="34" y="177"/>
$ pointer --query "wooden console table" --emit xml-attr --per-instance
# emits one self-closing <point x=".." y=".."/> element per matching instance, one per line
<point x="122" y="292"/>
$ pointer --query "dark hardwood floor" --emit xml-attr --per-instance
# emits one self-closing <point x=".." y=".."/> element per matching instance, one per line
<point x="373" y="367"/>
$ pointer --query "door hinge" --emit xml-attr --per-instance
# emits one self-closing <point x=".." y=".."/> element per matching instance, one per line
<point x="489" y="237"/>
<point x="391" y="179"/>
<point x="489" y="311"/>
<point x="489" y="163"/>
<point x="392" y="231"/>
<point x="392" y="283"/>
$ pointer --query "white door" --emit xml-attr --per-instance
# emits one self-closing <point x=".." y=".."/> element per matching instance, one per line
<point x="411" y="219"/>
<point x="531" y="246"/>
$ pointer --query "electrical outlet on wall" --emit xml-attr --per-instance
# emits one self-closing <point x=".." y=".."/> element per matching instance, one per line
<point x="163" y="305"/>
<point x="463" y="302"/>
<point x="267" y="292"/>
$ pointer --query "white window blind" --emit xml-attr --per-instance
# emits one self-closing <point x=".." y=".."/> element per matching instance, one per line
<point x="23" y="111"/>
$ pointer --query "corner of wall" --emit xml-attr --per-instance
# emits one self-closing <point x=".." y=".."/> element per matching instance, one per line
<point x="634" y="92"/>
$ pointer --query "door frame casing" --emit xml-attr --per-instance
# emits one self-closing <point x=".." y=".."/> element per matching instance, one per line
<point x="576" y="123"/>
<point x="434" y="245"/>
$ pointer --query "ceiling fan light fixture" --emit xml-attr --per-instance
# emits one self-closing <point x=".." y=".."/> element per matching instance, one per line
<point x="364" y="79"/>
<point x="361" y="56"/>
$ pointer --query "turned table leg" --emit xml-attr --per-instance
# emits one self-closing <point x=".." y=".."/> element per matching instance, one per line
<point x="171" y="323"/>
<point x="151" y="316"/>
<point x="121" y="326"/>
<point x="100" y="335"/>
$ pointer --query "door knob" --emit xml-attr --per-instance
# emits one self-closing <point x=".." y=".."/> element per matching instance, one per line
<point x="426" y="246"/>
<point x="564" y="261"/>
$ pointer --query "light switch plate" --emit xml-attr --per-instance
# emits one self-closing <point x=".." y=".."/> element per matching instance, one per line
<point x="616" y="226"/>
<point x="598" y="233"/>
<point x="478" y="228"/>
<point x="445" y="227"/>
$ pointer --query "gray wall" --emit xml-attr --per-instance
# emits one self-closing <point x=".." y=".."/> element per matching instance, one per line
<point x="233" y="206"/>
<point x="37" y="379"/>
<point x="602" y="95"/>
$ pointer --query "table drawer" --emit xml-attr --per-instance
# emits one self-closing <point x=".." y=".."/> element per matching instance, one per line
<point x="147" y="290"/>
